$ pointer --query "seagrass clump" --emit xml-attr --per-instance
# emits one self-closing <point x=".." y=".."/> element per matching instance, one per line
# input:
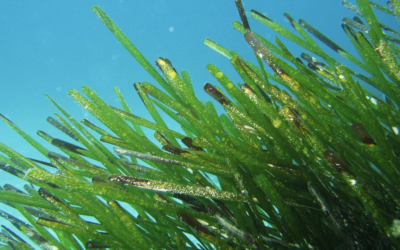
<point x="315" y="166"/>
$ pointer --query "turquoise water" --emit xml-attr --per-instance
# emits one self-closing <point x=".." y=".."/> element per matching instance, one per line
<point x="53" y="46"/>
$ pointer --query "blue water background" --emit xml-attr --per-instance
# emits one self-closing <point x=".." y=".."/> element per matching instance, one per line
<point x="53" y="46"/>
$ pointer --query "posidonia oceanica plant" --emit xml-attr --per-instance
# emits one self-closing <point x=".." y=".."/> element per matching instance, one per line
<point x="304" y="156"/>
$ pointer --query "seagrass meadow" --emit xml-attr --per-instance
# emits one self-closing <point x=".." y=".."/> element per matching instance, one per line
<point x="304" y="156"/>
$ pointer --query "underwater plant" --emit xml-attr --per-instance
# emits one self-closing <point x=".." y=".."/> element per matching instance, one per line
<point x="305" y="157"/>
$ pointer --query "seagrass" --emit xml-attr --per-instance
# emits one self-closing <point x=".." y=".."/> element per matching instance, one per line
<point x="315" y="166"/>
